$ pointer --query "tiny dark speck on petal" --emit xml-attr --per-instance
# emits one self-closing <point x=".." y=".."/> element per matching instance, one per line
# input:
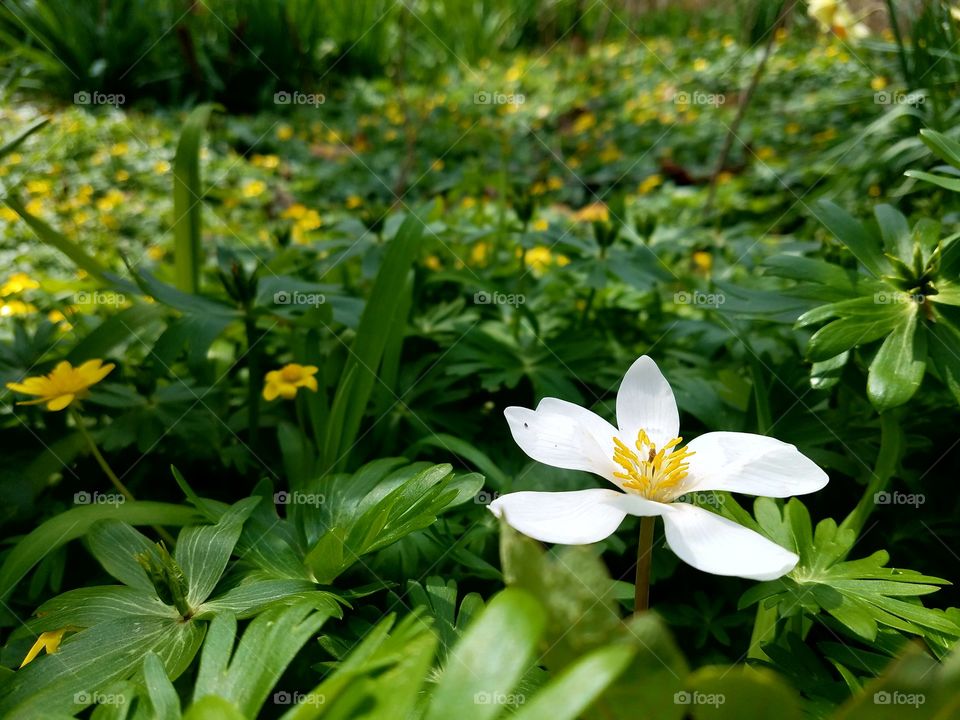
<point x="526" y="425"/>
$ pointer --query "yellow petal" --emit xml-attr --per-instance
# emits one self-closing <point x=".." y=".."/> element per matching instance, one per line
<point x="309" y="382"/>
<point x="60" y="402"/>
<point x="270" y="391"/>
<point x="287" y="391"/>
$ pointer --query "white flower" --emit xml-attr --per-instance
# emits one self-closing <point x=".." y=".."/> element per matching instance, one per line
<point x="647" y="461"/>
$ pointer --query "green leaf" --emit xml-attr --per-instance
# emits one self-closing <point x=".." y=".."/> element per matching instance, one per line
<point x="490" y="659"/>
<point x="378" y="323"/>
<point x="92" y="659"/>
<point x="115" y="545"/>
<point x="203" y="552"/>
<point x="70" y="248"/>
<point x="164" y="700"/>
<point x="897" y="370"/>
<point x="739" y="693"/>
<point x="187" y="201"/>
<point x="566" y="696"/>
<point x="895" y="231"/>
<point x="18" y="139"/>
<point x="864" y="246"/>
<point x="75" y="523"/>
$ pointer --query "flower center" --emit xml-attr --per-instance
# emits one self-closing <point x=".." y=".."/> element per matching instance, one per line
<point x="656" y="474"/>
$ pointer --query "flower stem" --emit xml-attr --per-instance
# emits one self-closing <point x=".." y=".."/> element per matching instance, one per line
<point x="108" y="471"/>
<point x="891" y="448"/>
<point x="641" y="593"/>
<point x="101" y="461"/>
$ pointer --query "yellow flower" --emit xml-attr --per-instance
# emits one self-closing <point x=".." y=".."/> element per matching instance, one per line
<point x="60" y="320"/>
<point x="294" y="212"/>
<point x="62" y="385"/>
<point x="595" y="212"/>
<point x="18" y="283"/>
<point x="703" y="260"/>
<point x="9" y="215"/>
<point x="121" y="176"/>
<point x="265" y="161"/>
<point x="161" y="167"/>
<point x="433" y="262"/>
<point x="284" y="132"/>
<point x="285" y="381"/>
<point x="479" y="252"/>
<point x="110" y="201"/>
<point x="253" y="188"/>
<point x="878" y="83"/>
<point x="651" y="182"/>
<point x="49" y="641"/>
<point x="353" y="202"/>
<point x="540" y="258"/>
<point x="12" y="308"/>
<point x="541" y="225"/>
<point x="119" y="149"/>
<point x="38" y="187"/>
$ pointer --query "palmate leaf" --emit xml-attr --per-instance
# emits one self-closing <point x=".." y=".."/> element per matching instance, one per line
<point x="860" y="595"/>
<point x="334" y="520"/>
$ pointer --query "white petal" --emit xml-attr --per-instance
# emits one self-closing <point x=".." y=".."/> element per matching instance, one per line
<point x="564" y="435"/>
<point x="716" y="545"/>
<point x="570" y="518"/>
<point x="751" y="464"/>
<point x="645" y="402"/>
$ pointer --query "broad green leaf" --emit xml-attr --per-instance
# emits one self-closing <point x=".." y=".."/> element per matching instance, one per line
<point x="76" y="522"/>
<point x="897" y="370"/>
<point x="895" y="231"/>
<point x="115" y="545"/>
<point x="572" y="691"/>
<point x="164" y="701"/>
<point x="203" y="552"/>
<point x="739" y="693"/>
<point x="490" y="659"/>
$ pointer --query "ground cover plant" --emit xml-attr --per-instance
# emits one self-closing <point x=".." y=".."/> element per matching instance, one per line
<point x="479" y="359"/>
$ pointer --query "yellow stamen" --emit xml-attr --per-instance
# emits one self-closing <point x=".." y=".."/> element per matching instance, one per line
<point x="657" y="474"/>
